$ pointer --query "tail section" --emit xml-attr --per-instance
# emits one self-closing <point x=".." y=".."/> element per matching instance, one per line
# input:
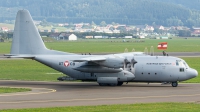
<point x="26" y="38"/>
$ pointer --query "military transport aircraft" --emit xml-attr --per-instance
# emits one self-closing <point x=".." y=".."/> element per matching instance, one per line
<point x="112" y="69"/>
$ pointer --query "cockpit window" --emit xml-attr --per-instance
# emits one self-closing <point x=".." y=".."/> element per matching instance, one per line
<point x="186" y="65"/>
<point x="177" y="63"/>
<point x="181" y="63"/>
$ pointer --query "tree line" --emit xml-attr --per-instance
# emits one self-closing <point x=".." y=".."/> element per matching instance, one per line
<point x="132" y="12"/>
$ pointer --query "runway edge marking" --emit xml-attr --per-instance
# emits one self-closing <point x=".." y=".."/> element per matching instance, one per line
<point x="28" y="92"/>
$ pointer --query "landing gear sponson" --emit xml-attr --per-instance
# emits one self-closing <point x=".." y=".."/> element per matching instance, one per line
<point x="111" y="84"/>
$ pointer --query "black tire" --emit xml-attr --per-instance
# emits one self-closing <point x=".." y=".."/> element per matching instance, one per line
<point x="112" y="84"/>
<point x="119" y="83"/>
<point x="174" y="84"/>
<point x="102" y="84"/>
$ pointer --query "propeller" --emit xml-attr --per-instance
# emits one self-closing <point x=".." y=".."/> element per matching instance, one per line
<point x="133" y="62"/>
<point x="126" y="62"/>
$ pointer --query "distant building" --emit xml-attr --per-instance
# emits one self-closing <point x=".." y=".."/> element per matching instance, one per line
<point x="128" y="37"/>
<point x="72" y="37"/>
<point x="149" y="28"/>
<point x="1" y="40"/>
<point x="46" y="30"/>
<point x="88" y="37"/>
<point x="195" y="32"/>
<point x="60" y="24"/>
<point x="107" y="31"/>
<point x="116" y="31"/>
<point x="4" y="29"/>
<point x="163" y="37"/>
<point x="113" y="37"/>
<point x="53" y="30"/>
<point x="37" y="22"/>
<point x="67" y="36"/>
<point x="98" y="37"/>
<point x="140" y="27"/>
<point x="141" y="36"/>
<point x="160" y="27"/>
<point x="104" y="36"/>
<point x="55" y="35"/>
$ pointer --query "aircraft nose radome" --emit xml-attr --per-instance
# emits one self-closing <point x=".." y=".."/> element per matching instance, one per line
<point x="193" y="73"/>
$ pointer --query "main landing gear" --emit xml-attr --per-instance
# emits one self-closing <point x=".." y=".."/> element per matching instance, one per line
<point x="174" y="84"/>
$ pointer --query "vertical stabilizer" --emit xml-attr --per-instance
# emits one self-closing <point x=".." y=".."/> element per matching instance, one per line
<point x="26" y="38"/>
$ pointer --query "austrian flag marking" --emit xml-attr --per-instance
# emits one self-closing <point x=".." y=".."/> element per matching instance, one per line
<point x="66" y="63"/>
<point x="162" y="45"/>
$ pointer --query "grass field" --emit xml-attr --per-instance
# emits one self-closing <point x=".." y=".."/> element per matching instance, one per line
<point x="151" y="107"/>
<point x="116" y="46"/>
<point x="24" y="69"/>
<point x="12" y="90"/>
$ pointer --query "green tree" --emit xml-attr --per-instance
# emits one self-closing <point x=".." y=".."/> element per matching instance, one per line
<point x="103" y="24"/>
<point x="184" y="33"/>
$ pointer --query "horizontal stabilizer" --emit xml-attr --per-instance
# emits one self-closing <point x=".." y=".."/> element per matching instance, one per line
<point x="19" y="56"/>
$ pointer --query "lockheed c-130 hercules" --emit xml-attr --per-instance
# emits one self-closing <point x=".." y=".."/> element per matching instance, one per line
<point x="112" y="69"/>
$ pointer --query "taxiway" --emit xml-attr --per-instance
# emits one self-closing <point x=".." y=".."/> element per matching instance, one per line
<point x="56" y="94"/>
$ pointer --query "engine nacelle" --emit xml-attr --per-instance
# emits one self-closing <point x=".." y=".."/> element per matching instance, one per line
<point x="107" y="80"/>
<point x="126" y="76"/>
<point x="112" y="63"/>
<point x="97" y="69"/>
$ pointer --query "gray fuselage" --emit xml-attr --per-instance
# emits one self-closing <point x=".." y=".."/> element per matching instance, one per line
<point x="147" y="68"/>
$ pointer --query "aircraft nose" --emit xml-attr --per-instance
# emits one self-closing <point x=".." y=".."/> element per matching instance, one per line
<point x="192" y="73"/>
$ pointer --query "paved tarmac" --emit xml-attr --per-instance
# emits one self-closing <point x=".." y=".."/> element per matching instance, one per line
<point x="56" y="94"/>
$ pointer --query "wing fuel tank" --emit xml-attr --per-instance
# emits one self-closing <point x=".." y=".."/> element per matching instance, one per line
<point x="97" y="69"/>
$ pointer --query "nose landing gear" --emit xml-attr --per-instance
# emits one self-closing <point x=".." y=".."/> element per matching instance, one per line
<point x="174" y="84"/>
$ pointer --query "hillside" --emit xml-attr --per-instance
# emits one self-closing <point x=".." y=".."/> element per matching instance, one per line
<point x="132" y="12"/>
<point x="192" y="4"/>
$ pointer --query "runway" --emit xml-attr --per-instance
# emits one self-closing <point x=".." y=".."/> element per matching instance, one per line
<point x="56" y="94"/>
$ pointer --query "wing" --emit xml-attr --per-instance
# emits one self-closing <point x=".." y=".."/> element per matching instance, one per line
<point x="105" y="61"/>
<point x="91" y="59"/>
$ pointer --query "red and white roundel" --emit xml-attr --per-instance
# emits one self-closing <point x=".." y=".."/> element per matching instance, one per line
<point x="66" y="63"/>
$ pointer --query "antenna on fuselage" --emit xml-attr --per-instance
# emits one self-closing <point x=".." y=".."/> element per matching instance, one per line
<point x="152" y="51"/>
<point x="133" y="50"/>
<point x="126" y="50"/>
<point x="146" y="51"/>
